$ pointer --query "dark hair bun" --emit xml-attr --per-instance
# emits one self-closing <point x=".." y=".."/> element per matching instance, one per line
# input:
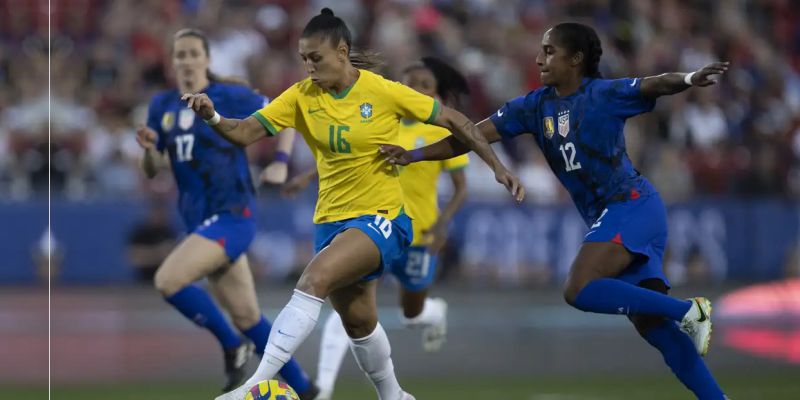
<point x="326" y="11"/>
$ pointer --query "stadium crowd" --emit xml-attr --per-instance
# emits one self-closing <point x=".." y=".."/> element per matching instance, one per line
<point x="108" y="57"/>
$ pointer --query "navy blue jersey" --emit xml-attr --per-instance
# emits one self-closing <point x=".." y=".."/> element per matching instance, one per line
<point x="581" y="136"/>
<point x="211" y="173"/>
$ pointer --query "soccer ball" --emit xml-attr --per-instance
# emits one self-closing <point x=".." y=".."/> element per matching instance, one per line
<point x="271" y="390"/>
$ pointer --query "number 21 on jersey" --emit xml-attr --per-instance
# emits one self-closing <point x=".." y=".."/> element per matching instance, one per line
<point x="568" y="152"/>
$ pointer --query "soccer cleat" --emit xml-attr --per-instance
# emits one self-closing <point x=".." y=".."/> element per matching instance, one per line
<point x="236" y="394"/>
<point x="407" y="396"/>
<point x="434" y="335"/>
<point x="312" y="393"/>
<point x="235" y="362"/>
<point x="697" y="324"/>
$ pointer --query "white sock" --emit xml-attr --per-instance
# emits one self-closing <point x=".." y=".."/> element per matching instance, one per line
<point x="333" y="346"/>
<point x="373" y="355"/>
<point x="292" y="326"/>
<point x="432" y="313"/>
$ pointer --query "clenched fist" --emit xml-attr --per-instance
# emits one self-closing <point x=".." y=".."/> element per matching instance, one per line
<point x="146" y="137"/>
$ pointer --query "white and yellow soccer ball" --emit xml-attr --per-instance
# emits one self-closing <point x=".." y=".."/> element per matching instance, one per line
<point x="271" y="390"/>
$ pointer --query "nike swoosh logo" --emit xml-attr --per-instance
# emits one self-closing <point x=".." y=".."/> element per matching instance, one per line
<point x="500" y="113"/>
<point x="310" y="111"/>
<point x="703" y="316"/>
<point x="285" y="334"/>
<point x="634" y="82"/>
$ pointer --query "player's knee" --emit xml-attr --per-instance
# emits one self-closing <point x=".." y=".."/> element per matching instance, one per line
<point x="245" y="322"/>
<point x="315" y="284"/>
<point x="246" y="317"/>
<point x="571" y="290"/>
<point x="168" y="284"/>
<point x="359" y="325"/>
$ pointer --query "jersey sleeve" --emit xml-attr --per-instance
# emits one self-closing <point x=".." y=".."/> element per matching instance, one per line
<point x="411" y="104"/>
<point x="456" y="163"/>
<point x="154" y="116"/>
<point x="623" y="97"/>
<point x="280" y="113"/>
<point x="512" y="118"/>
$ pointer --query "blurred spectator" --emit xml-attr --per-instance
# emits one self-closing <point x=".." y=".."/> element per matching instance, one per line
<point x="701" y="124"/>
<point x="150" y="241"/>
<point x="671" y="175"/>
<point x="107" y="57"/>
<point x="112" y="55"/>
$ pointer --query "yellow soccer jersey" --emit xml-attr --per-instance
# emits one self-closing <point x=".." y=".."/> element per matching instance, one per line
<point x="419" y="179"/>
<point x="344" y="132"/>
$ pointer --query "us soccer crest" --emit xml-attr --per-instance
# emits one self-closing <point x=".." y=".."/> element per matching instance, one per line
<point x="185" y="119"/>
<point x="167" y="121"/>
<point x="563" y="123"/>
<point x="366" y="110"/>
<point x="549" y="127"/>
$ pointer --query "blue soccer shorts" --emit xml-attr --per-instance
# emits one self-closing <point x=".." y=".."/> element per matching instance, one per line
<point x="641" y="226"/>
<point x="233" y="232"/>
<point x="391" y="236"/>
<point x="415" y="269"/>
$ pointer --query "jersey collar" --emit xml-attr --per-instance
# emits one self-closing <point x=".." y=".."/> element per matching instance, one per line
<point x="343" y="93"/>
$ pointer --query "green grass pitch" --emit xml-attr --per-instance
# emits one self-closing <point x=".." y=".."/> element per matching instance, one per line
<point x="763" y="385"/>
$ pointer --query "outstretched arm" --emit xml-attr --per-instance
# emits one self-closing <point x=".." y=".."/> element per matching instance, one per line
<point x="676" y="82"/>
<point x="469" y="135"/>
<point x="466" y="136"/>
<point x="448" y="147"/>
<point x="238" y="131"/>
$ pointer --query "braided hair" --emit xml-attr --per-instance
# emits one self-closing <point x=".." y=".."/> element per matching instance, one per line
<point x="582" y="38"/>
<point x="334" y="29"/>
<point x="450" y="83"/>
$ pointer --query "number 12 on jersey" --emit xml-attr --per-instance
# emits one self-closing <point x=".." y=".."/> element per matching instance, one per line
<point x="569" y="160"/>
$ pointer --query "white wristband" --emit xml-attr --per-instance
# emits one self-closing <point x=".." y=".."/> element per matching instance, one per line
<point x="214" y="120"/>
<point x="687" y="79"/>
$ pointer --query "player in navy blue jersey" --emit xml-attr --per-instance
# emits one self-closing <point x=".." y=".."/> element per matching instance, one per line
<point x="216" y="201"/>
<point x="577" y="119"/>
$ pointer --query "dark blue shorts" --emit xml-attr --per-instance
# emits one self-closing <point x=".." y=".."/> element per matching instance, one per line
<point x="641" y="226"/>
<point x="234" y="233"/>
<point x="391" y="236"/>
<point x="415" y="269"/>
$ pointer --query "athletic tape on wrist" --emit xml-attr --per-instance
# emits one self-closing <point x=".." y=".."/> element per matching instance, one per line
<point x="214" y="120"/>
<point x="687" y="79"/>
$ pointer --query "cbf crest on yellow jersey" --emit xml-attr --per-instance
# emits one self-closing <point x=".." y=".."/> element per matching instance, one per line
<point x="344" y="131"/>
<point x="419" y="180"/>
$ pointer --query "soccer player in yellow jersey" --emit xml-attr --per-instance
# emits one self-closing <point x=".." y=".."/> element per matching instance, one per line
<point x="345" y="114"/>
<point x="416" y="268"/>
